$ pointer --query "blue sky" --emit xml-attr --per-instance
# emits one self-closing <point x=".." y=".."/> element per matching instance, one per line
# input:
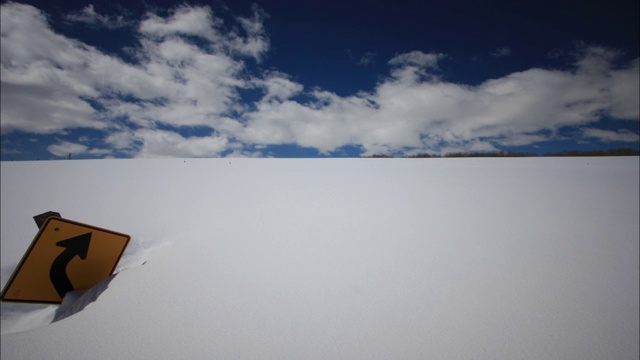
<point x="110" y="79"/>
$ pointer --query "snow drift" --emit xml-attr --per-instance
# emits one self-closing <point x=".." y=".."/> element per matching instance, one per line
<point x="338" y="258"/>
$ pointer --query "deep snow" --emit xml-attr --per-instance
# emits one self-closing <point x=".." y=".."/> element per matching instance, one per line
<point x="534" y="258"/>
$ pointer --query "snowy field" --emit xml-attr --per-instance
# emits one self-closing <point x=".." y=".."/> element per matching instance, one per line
<point x="515" y="258"/>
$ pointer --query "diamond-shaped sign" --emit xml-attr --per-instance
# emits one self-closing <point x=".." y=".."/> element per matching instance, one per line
<point x="65" y="255"/>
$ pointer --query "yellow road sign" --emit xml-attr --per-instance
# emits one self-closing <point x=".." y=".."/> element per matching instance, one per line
<point x="65" y="255"/>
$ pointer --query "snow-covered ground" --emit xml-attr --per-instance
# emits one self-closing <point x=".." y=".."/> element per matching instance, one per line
<point x="517" y="258"/>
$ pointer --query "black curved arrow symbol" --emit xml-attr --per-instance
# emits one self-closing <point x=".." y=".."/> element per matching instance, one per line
<point x="78" y="245"/>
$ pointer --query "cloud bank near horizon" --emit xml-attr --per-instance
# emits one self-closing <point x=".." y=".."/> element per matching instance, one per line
<point x="180" y="94"/>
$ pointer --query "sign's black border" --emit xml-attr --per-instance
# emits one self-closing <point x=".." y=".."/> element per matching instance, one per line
<point x="33" y="244"/>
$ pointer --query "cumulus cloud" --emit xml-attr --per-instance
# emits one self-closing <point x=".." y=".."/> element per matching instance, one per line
<point x="190" y="69"/>
<point x="407" y="113"/>
<point x="41" y="89"/>
<point x="367" y="59"/>
<point x="155" y="143"/>
<point x="625" y="92"/>
<point x="256" y="41"/>
<point x="89" y="16"/>
<point x="201" y="22"/>
<point x="185" y="20"/>
<point x="278" y="86"/>
<point x="65" y="148"/>
<point x="610" y="135"/>
<point x="121" y="140"/>
<point x="51" y="83"/>
<point x="160" y="143"/>
<point x="415" y="66"/>
<point x="417" y="58"/>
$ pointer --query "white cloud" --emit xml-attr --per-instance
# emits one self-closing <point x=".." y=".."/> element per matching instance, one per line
<point x="278" y="87"/>
<point x="100" y="152"/>
<point x="245" y="154"/>
<point x="200" y="22"/>
<point x="185" y="20"/>
<point x="160" y="143"/>
<point x="7" y="150"/>
<point x="407" y="112"/>
<point x="51" y="84"/>
<point x="40" y="88"/>
<point x="625" y="92"/>
<point x="367" y="59"/>
<point x="89" y="16"/>
<point x="519" y="139"/>
<point x="121" y="140"/>
<point x="154" y="143"/>
<point x="610" y="135"/>
<point x="326" y="124"/>
<point x="417" y="58"/>
<point x="256" y="43"/>
<point x="595" y="59"/>
<point x="64" y="148"/>
<point x="415" y="66"/>
<point x="501" y="52"/>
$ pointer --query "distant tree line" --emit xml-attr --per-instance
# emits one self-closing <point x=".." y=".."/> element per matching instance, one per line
<point x="567" y="153"/>
<point x="610" y="152"/>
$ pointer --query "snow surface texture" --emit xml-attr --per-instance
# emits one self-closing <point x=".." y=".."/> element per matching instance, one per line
<point x="532" y="258"/>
